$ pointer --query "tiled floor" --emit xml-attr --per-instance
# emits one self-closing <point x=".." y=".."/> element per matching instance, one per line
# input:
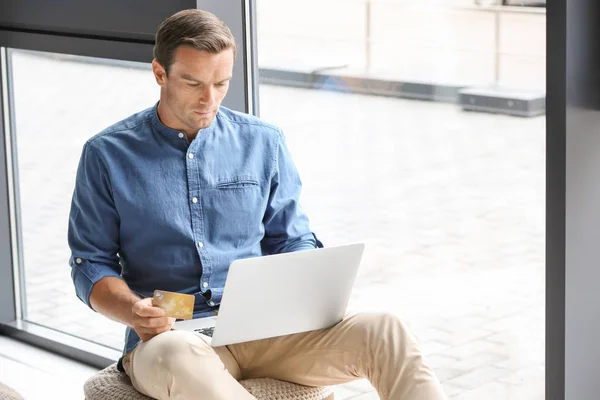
<point x="450" y="205"/>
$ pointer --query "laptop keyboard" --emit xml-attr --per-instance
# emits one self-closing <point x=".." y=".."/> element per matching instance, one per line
<point x="206" y="331"/>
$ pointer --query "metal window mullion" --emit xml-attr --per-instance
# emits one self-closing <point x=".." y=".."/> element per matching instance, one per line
<point x="251" y="56"/>
<point x="12" y="181"/>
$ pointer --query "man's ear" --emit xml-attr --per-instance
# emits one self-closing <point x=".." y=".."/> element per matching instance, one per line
<point x="159" y="72"/>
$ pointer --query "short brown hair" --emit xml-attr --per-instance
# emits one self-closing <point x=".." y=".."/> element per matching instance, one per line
<point x="195" y="28"/>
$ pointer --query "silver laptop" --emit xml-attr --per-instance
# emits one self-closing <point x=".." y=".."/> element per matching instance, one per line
<point x="282" y="294"/>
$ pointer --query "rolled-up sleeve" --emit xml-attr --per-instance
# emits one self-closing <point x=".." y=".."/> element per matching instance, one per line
<point x="286" y="225"/>
<point x="93" y="232"/>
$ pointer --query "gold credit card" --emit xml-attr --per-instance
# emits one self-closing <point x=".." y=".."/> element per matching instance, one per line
<point x="176" y="305"/>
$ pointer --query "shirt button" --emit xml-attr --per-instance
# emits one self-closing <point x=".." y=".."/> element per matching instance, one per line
<point x="200" y="244"/>
<point x="78" y="260"/>
<point x="195" y="200"/>
<point x="205" y="284"/>
<point x="211" y="303"/>
<point x="180" y="135"/>
<point x="190" y="155"/>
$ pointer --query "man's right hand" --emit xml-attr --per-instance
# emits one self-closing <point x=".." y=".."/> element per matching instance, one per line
<point x="148" y="320"/>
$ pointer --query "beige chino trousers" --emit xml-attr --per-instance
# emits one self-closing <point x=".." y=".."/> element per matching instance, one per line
<point x="182" y="365"/>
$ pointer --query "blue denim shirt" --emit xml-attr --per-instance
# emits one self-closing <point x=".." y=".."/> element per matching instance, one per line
<point x="160" y="212"/>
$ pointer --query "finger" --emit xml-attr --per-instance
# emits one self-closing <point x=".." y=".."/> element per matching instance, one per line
<point x="144" y="308"/>
<point x="155" y="322"/>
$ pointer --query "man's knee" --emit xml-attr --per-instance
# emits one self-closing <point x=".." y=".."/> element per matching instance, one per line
<point x="174" y="347"/>
<point x="381" y="327"/>
<point x="180" y="364"/>
<point x="377" y="321"/>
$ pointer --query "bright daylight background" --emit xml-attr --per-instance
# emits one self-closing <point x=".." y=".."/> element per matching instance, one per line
<point x="450" y="203"/>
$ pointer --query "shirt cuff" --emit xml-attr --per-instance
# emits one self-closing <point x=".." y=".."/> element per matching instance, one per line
<point x="306" y="242"/>
<point x="85" y="274"/>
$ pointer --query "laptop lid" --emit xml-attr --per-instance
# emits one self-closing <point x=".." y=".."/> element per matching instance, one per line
<point x="286" y="293"/>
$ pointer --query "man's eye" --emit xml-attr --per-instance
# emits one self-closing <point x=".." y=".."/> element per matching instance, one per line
<point x="192" y="84"/>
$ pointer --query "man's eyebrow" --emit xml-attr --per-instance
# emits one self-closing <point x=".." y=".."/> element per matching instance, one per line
<point x="191" y="78"/>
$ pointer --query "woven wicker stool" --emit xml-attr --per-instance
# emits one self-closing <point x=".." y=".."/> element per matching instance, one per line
<point x="111" y="384"/>
<point x="8" y="393"/>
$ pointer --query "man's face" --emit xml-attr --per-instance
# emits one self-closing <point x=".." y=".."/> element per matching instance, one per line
<point x="191" y="94"/>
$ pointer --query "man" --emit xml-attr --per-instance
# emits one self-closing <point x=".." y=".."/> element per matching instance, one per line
<point x="169" y="197"/>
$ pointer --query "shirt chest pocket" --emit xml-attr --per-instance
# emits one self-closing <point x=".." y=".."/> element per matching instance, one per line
<point x="235" y="207"/>
<point x="237" y="183"/>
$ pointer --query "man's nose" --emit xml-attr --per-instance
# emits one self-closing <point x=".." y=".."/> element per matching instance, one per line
<point x="207" y="96"/>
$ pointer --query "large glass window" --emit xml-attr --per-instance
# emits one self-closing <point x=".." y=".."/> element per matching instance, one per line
<point x="59" y="102"/>
<point x="450" y="203"/>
